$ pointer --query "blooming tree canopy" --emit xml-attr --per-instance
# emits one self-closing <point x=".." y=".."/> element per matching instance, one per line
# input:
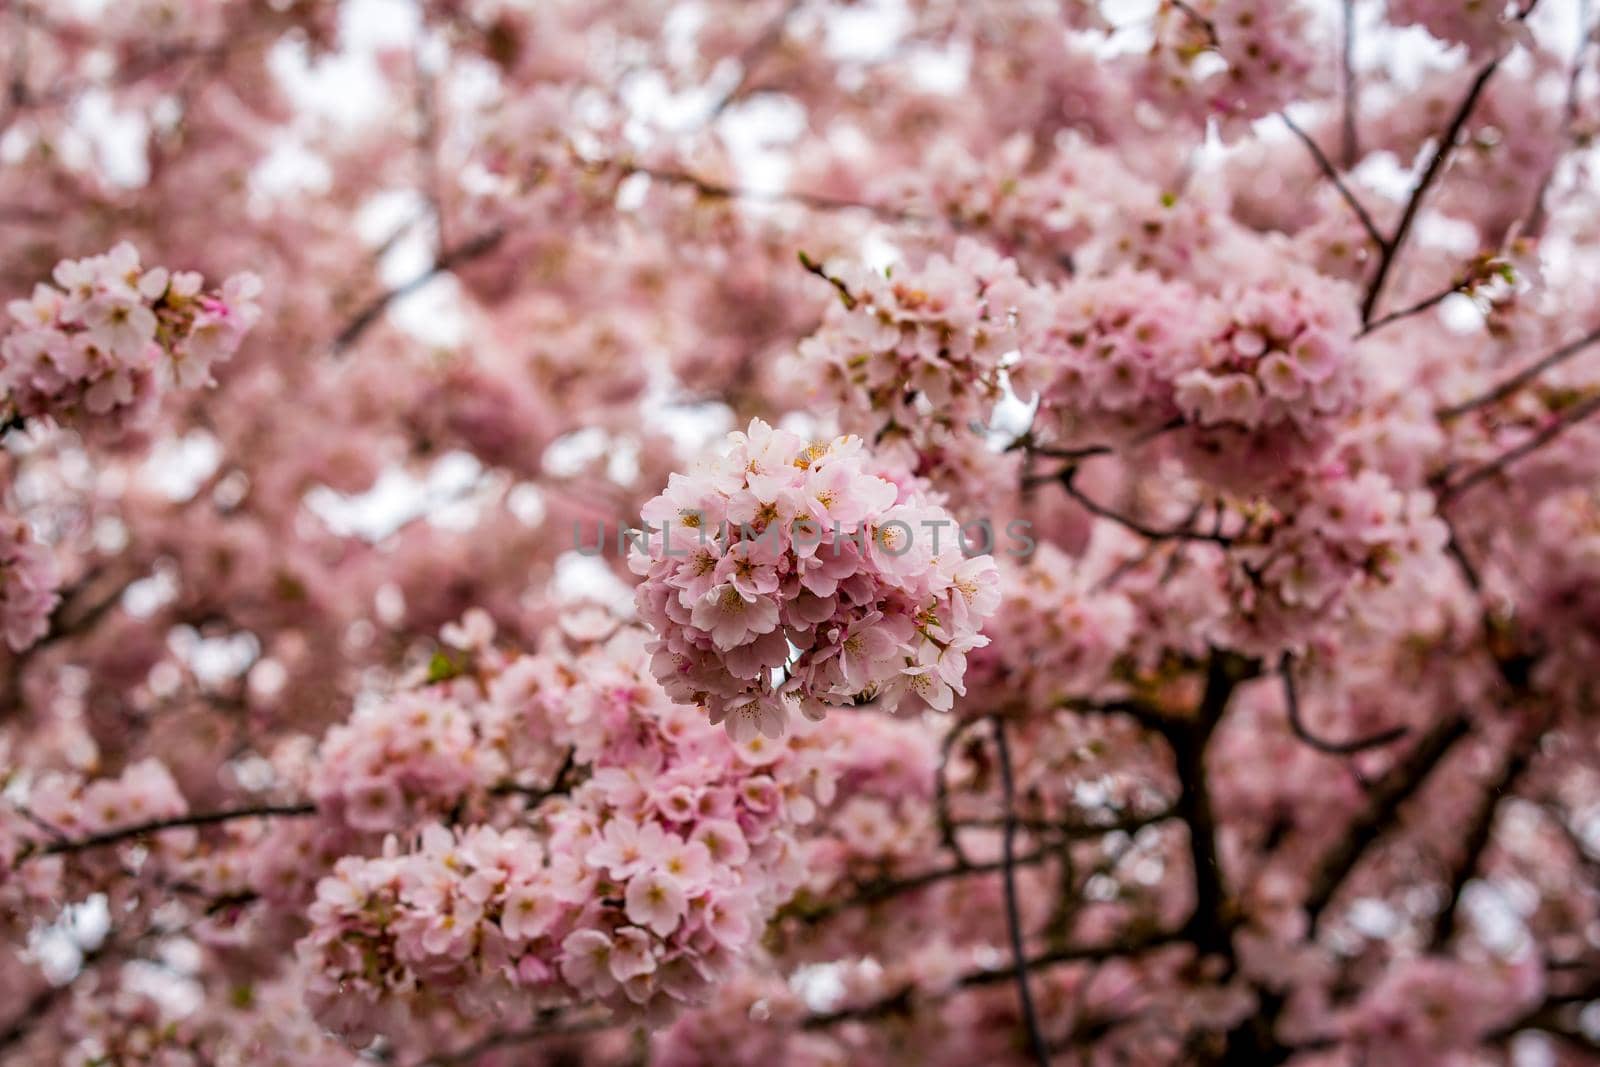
<point x="822" y="532"/>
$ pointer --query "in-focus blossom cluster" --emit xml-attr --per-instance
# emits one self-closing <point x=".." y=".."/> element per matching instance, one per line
<point x="788" y="575"/>
<point x="1259" y="377"/>
<point x="111" y="334"/>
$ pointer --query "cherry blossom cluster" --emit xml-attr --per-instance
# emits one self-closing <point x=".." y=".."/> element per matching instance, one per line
<point x="639" y="889"/>
<point x="918" y="356"/>
<point x="1109" y="355"/>
<point x="1073" y="631"/>
<point x="1484" y="26"/>
<point x="110" y="334"/>
<point x="59" y="806"/>
<point x="1276" y="375"/>
<point x="29" y="580"/>
<point x="394" y="762"/>
<point x="262" y="1024"/>
<point x="1335" y="533"/>
<point x="786" y="574"/>
<point x="1267" y="46"/>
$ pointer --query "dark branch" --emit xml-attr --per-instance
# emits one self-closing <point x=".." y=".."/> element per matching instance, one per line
<point x="1383" y="806"/>
<point x="1441" y="155"/>
<point x="816" y="201"/>
<point x="845" y="296"/>
<point x="1564" y="422"/>
<point x="451" y="258"/>
<point x="1521" y="377"/>
<point x="1332" y="174"/>
<point x="1178" y="533"/>
<point x="1291" y="699"/>
<point x="1349" y="148"/>
<point x="176" y="822"/>
<point x="1479" y="832"/>
<point x="1460" y="285"/>
<point x="1019" y="957"/>
<point x="764" y="43"/>
<point x="1209" y="927"/>
<point x="900" y="1001"/>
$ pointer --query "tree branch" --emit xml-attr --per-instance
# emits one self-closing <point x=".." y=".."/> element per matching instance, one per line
<point x="1479" y="831"/>
<point x="176" y="822"/>
<point x="1520" y="378"/>
<point x="1349" y="147"/>
<point x="768" y="39"/>
<point x="1460" y="285"/>
<point x="1291" y="700"/>
<point x="1179" y="533"/>
<point x="447" y="260"/>
<point x="1441" y="155"/>
<point x="1019" y="957"/>
<point x="1209" y="927"/>
<point x="901" y="1000"/>
<point x="1332" y="174"/>
<point x="1562" y="423"/>
<point x="1384" y="803"/>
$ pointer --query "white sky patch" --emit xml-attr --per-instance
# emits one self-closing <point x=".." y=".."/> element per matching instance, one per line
<point x="177" y="467"/>
<point x="149" y="594"/>
<point x="118" y="140"/>
<point x="60" y="947"/>
<point x="1374" y="918"/>
<point x="581" y="577"/>
<point x="866" y="32"/>
<point x="397" y="498"/>
<point x="290" y="168"/>
<point x="214" y="660"/>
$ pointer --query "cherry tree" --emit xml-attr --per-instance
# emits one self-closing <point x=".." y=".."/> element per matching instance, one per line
<point x="799" y="532"/>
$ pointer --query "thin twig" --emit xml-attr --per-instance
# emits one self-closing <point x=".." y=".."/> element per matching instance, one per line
<point x="1349" y="147"/>
<point x="1115" y="948"/>
<point x="549" y="1025"/>
<point x="1521" y="377"/>
<point x="1460" y="285"/>
<point x="1441" y="155"/>
<point x="1019" y="957"/>
<point x="845" y="296"/>
<point x="1332" y="748"/>
<point x="535" y="795"/>
<point x="449" y="259"/>
<point x="941" y="793"/>
<point x="1479" y="832"/>
<point x="816" y="201"/>
<point x="1205" y="24"/>
<point x="1332" y="174"/>
<point x="1586" y="36"/>
<point x="768" y="39"/>
<point x="1390" y="793"/>
<point x="175" y="822"/>
<point x="1177" y="533"/>
<point x="1568" y="419"/>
